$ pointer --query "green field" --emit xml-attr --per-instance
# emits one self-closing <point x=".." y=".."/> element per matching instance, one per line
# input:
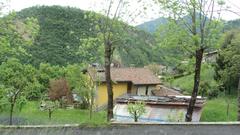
<point x="32" y="115"/>
<point x="186" y="83"/>
<point x="216" y="110"/>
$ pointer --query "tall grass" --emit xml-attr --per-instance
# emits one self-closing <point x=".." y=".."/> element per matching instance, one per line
<point x="220" y="109"/>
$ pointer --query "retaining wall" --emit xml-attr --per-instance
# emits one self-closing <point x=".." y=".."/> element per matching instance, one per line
<point x="127" y="129"/>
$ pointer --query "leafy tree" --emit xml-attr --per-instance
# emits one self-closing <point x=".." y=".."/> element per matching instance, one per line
<point x="91" y="50"/>
<point x="169" y="37"/>
<point x="16" y="36"/>
<point x="16" y="80"/>
<point x="47" y="72"/>
<point x="201" y="27"/>
<point x="59" y="91"/>
<point x="227" y="64"/>
<point x="110" y="29"/>
<point x="136" y="110"/>
<point x="50" y="106"/>
<point x="82" y="85"/>
<point x="78" y="82"/>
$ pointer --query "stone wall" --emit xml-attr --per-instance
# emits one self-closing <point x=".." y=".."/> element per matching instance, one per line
<point x="127" y="129"/>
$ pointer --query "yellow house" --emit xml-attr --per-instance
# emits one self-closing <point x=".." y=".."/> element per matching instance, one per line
<point x="134" y="81"/>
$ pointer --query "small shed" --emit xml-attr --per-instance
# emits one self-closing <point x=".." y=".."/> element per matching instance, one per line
<point x="158" y="109"/>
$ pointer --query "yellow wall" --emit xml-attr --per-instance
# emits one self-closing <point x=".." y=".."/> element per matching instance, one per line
<point x="101" y="97"/>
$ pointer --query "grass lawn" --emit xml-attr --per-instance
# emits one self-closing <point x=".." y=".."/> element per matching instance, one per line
<point x="186" y="83"/>
<point x="32" y="115"/>
<point x="216" y="109"/>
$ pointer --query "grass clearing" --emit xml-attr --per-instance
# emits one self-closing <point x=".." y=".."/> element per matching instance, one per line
<point x="186" y="83"/>
<point x="33" y="115"/>
<point x="216" y="109"/>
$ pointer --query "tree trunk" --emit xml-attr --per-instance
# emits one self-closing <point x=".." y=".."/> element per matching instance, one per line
<point x="11" y="113"/>
<point x="135" y="117"/>
<point x="199" y="55"/>
<point x="108" y="46"/>
<point x="239" y="99"/>
<point x="49" y="114"/>
<point x="91" y="104"/>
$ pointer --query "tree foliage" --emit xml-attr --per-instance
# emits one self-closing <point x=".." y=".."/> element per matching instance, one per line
<point x="202" y="29"/>
<point x="16" y="81"/>
<point x="16" y="36"/>
<point x="59" y="91"/>
<point x="136" y="110"/>
<point x="65" y="35"/>
<point x="228" y="66"/>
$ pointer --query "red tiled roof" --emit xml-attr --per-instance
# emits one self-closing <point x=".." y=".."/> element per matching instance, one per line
<point x="137" y="76"/>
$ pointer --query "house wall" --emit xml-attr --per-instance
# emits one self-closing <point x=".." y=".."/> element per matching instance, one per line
<point x="156" y="113"/>
<point x="119" y="89"/>
<point x="141" y="89"/>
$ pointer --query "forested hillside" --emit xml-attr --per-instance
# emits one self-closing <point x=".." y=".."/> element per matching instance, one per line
<point x="233" y="24"/>
<point x="152" y="26"/>
<point x="64" y="34"/>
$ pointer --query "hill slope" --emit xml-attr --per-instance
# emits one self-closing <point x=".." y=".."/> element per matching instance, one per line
<point x="153" y="25"/>
<point x="62" y="30"/>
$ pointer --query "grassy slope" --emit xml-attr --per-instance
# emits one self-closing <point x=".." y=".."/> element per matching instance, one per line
<point x="215" y="109"/>
<point x="186" y="83"/>
<point x="33" y="115"/>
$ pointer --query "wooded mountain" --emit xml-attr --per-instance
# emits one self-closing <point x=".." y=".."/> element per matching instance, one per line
<point x="153" y="25"/>
<point x="63" y="30"/>
<point x="232" y="25"/>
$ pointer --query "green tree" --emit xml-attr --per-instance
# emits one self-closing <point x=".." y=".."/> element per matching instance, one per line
<point x="227" y="65"/>
<point x="50" y="106"/>
<point x="65" y="35"/>
<point x="136" y="110"/>
<point x="91" y="50"/>
<point x="47" y="72"/>
<point x="169" y="37"/>
<point x="16" y="80"/>
<point x="201" y="27"/>
<point x="108" y="34"/>
<point x="113" y="33"/>
<point x="16" y="36"/>
<point x="82" y="85"/>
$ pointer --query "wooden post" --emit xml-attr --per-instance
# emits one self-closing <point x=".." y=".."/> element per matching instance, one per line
<point x="239" y="98"/>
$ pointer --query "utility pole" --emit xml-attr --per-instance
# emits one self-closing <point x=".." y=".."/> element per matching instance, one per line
<point x="238" y="98"/>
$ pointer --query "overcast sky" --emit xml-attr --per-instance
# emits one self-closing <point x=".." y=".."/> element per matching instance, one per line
<point x="98" y="5"/>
